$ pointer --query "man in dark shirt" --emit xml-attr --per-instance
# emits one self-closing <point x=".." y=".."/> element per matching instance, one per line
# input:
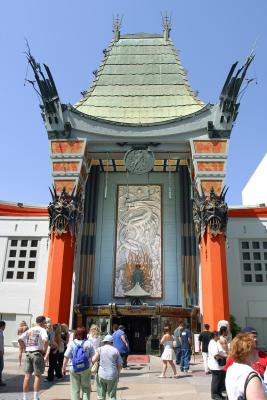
<point x="203" y="341"/>
<point x="186" y="341"/>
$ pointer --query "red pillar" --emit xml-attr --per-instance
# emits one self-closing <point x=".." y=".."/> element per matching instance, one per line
<point x="59" y="278"/>
<point x="215" y="300"/>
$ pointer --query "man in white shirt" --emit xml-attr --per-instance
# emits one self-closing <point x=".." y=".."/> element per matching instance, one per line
<point x="2" y="328"/>
<point x="216" y="361"/>
<point x="35" y="342"/>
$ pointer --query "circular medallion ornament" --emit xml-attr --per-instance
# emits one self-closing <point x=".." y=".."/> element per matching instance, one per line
<point x="139" y="161"/>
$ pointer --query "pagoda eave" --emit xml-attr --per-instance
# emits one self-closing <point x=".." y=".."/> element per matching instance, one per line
<point x="183" y="129"/>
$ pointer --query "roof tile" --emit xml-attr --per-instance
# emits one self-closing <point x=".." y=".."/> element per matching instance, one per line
<point x="140" y="80"/>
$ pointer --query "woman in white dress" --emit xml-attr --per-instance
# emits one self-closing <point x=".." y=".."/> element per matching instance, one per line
<point x="168" y="355"/>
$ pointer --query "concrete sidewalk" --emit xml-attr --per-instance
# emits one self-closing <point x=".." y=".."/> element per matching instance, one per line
<point x="139" y="381"/>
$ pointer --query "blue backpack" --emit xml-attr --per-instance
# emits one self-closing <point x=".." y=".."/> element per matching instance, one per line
<point x="80" y="360"/>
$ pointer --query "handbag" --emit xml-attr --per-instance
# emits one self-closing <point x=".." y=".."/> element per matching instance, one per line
<point x="221" y="361"/>
<point x="251" y="375"/>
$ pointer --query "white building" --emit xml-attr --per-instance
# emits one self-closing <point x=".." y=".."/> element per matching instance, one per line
<point x="24" y="250"/>
<point x="247" y="268"/>
<point x="255" y="192"/>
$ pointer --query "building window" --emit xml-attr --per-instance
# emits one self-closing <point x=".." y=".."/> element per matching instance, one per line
<point x="253" y="262"/>
<point x="21" y="261"/>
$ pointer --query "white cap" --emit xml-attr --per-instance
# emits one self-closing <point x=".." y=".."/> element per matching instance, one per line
<point x="108" y="338"/>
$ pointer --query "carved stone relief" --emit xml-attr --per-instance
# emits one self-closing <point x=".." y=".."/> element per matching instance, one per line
<point x="138" y="239"/>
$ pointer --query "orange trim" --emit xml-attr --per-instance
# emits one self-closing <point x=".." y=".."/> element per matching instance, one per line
<point x="206" y="146"/>
<point x="208" y="184"/>
<point x="66" y="166"/>
<point x="59" y="278"/>
<point x="210" y="165"/>
<point x="257" y="212"/>
<point x="67" y="146"/>
<point x="17" y="211"/>
<point x="215" y="299"/>
<point x="68" y="184"/>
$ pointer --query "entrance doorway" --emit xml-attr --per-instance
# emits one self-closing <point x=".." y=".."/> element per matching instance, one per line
<point x="137" y="329"/>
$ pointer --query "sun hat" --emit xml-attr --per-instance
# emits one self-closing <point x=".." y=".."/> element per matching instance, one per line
<point x="108" y="338"/>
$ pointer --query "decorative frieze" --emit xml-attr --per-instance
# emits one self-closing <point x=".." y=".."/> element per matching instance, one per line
<point x="68" y="166"/>
<point x="67" y="146"/>
<point x="64" y="184"/>
<point x="209" y="159"/>
<point x="211" y="166"/>
<point x="210" y="146"/>
<point x="208" y="185"/>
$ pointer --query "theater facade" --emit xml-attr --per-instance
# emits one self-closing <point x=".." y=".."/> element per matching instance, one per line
<point x="138" y="214"/>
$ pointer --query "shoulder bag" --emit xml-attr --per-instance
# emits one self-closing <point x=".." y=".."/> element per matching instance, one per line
<point x="220" y="360"/>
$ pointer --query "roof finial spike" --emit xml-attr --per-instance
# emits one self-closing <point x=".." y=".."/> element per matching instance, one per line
<point x="166" y="24"/>
<point x="117" y="20"/>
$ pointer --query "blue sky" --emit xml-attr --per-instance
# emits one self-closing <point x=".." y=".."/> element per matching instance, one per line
<point x="69" y="36"/>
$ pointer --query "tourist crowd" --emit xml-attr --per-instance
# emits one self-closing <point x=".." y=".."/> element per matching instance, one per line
<point x="237" y="367"/>
<point x="84" y="353"/>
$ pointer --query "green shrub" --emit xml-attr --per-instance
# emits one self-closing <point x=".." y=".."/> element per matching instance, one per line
<point x="235" y="328"/>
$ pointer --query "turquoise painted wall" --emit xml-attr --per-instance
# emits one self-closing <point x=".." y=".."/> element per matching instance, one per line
<point x="105" y="237"/>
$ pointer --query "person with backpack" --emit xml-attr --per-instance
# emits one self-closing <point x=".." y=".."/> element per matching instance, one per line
<point x="80" y="352"/>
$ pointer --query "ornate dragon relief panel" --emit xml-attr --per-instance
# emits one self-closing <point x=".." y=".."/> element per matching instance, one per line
<point x="138" y="239"/>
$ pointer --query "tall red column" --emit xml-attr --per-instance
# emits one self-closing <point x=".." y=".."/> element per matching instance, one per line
<point x="59" y="278"/>
<point x="215" y="300"/>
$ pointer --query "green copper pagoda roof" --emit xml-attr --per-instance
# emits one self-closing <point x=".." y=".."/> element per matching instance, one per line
<point x="141" y="80"/>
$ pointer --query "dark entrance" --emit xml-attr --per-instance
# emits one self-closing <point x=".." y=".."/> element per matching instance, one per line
<point x="138" y="329"/>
